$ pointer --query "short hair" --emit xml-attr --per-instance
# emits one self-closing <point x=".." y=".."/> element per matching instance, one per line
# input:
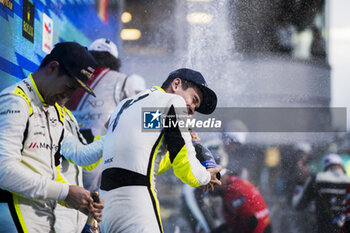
<point x="105" y="59"/>
<point x="185" y="84"/>
<point x="47" y="60"/>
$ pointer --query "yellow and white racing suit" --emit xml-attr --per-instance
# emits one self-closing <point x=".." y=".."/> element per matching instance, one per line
<point x="92" y="112"/>
<point x="70" y="220"/>
<point x="30" y="135"/>
<point x="132" y="158"/>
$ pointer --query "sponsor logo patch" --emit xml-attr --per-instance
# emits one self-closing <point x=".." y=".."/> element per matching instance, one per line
<point x="47" y="34"/>
<point x="42" y="145"/>
<point x="53" y="121"/>
<point x="87" y="73"/>
<point x="238" y="202"/>
<point x="27" y="85"/>
<point x="39" y="133"/>
<point x="9" y="111"/>
<point x="108" y="160"/>
<point x="28" y="20"/>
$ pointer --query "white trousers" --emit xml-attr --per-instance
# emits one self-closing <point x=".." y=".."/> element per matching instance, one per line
<point x="130" y="209"/>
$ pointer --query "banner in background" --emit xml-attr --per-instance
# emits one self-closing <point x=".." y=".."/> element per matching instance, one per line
<point x="28" y="21"/>
<point x="47" y="33"/>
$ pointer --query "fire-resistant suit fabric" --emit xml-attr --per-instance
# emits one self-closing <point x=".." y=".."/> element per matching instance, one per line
<point x="92" y="113"/>
<point x="70" y="220"/>
<point x="30" y="135"/>
<point x="131" y="158"/>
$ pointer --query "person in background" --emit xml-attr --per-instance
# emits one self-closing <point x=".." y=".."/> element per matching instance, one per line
<point x="294" y="173"/>
<point x="346" y="227"/>
<point x="296" y="169"/>
<point x="233" y="138"/>
<point x="111" y="87"/>
<point x="318" y="44"/>
<point x="200" y="209"/>
<point x="327" y="188"/>
<point x="243" y="208"/>
<point x="31" y="130"/>
<point x="284" y="37"/>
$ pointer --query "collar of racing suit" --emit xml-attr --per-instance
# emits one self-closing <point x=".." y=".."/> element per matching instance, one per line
<point x="38" y="96"/>
<point x="159" y="88"/>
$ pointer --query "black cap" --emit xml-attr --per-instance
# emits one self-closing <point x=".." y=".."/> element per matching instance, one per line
<point x="209" y="100"/>
<point x="77" y="61"/>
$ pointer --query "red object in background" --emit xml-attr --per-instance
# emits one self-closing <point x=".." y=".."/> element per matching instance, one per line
<point x="103" y="10"/>
<point x="242" y="201"/>
<point x="78" y="95"/>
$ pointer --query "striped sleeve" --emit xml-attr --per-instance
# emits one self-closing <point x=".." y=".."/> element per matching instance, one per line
<point x="182" y="154"/>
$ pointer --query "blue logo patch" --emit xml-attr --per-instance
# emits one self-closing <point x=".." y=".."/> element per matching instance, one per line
<point x="108" y="160"/>
<point x="151" y="119"/>
<point x="237" y="203"/>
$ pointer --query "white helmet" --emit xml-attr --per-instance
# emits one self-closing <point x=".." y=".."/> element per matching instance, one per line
<point x="104" y="45"/>
<point x="137" y="83"/>
<point x="331" y="159"/>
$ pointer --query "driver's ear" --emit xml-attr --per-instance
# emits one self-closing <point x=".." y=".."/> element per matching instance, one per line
<point x="176" y="84"/>
<point x="53" y="66"/>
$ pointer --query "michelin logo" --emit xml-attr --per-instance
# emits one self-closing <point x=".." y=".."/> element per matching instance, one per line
<point x="151" y="119"/>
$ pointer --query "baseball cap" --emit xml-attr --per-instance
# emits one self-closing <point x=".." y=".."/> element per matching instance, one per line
<point x="209" y="100"/>
<point x="331" y="159"/>
<point x="77" y="61"/>
<point x="104" y="45"/>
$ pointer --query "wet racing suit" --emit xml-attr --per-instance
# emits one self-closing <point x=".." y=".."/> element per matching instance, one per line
<point x="92" y="113"/>
<point x="30" y="135"/>
<point x="132" y="158"/>
<point x="70" y="220"/>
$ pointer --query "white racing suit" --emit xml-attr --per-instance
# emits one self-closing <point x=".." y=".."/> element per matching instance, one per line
<point x="30" y="135"/>
<point x="88" y="156"/>
<point x="93" y="112"/>
<point x="75" y="152"/>
<point x="70" y="220"/>
<point x="132" y="158"/>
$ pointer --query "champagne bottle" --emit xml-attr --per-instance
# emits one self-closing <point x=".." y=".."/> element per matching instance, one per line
<point x="204" y="156"/>
<point x="91" y="225"/>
